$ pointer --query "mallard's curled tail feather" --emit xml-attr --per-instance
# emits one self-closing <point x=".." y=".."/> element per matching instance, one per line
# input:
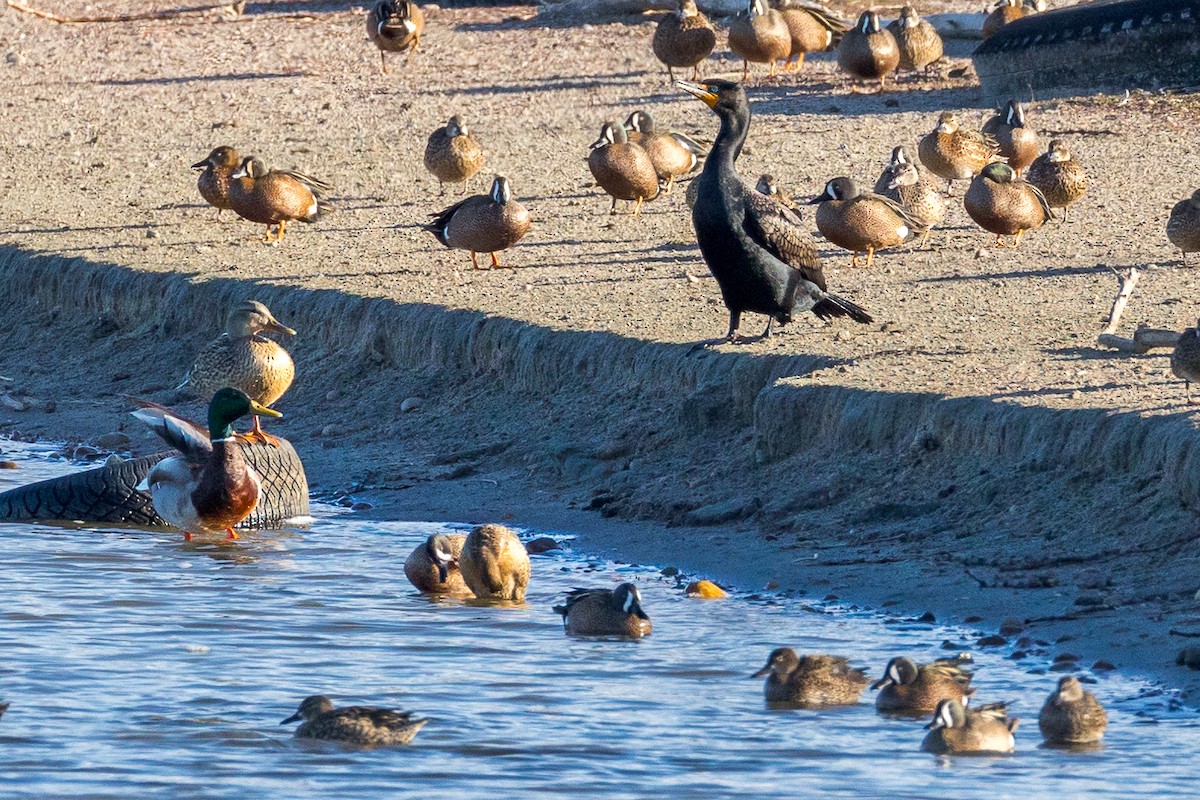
<point x="186" y="437"/>
<point x="834" y="306"/>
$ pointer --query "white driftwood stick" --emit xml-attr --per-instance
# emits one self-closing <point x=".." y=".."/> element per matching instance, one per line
<point x="1128" y="281"/>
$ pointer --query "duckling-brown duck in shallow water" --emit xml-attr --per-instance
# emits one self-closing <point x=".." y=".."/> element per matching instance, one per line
<point x="395" y="26"/>
<point x="1072" y="715"/>
<point x="605" y="612"/>
<point x="957" y="729"/>
<point x="494" y="564"/>
<point x="907" y="687"/>
<point x="811" y="680"/>
<point x="360" y="725"/>
<point x="684" y="38"/>
<point x="483" y="223"/>
<point x="432" y="567"/>
<point x="215" y="172"/>
<point x="275" y="197"/>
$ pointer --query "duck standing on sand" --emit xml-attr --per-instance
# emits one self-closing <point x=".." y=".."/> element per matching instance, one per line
<point x="862" y="221"/>
<point x="483" y="223"/>
<point x="759" y="34"/>
<point x="812" y="29"/>
<point x="954" y="153"/>
<point x="684" y="38"/>
<point x="673" y="154"/>
<point x="903" y="182"/>
<point x="919" y="42"/>
<point x="395" y="26"/>
<point x="453" y="154"/>
<point x="209" y="487"/>
<point x="1004" y="204"/>
<point x="622" y="168"/>
<point x="763" y="259"/>
<point x="275" y="196"/>
<point x="1185" y="360"/>
<point x="1183" y="226"/>
<point x="1017" y="139"/>
<point x="1061" y="178"/>
<point x="215" y="171"/>
<point x="360" y="725"/>
<point x="868" y="51"/>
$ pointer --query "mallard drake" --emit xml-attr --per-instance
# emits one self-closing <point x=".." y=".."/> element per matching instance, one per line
<point x="673" y="154"/>
<point x="243" y="358"/>
<point x="812" y="29"/>
<point x="903" y="182"/>
<point x="867" y="51"/>
<point x="209" y="487"/>
<point x="810" y="680"/>
<point x="1004" y="204"/>
<point x="275" y="197"/>
<point x="483" y="223"/>
<point x="361" y="725"/>
<point x="1061" y="178"/>
<point x="395" y="27"/>
<point x="432" y="567"/>
<point x="1006" y="11"/>
<point x="1185" y="360"/>
<point x="862" y="221"/>
<point x="953" y="153"/>
<point x="1072" y="715"/>
<point x="683" y="39"/>
<point x="1017" y="139"/>
<point x="957" y="729"/>
<point x="907" y="687"/>
<point x="1183" y="226"/>
<point x="761" y="35"/>
<point x="453" y="154"/>
<point x="494" y="564"/>
<point x="605" y="612"/>
<point x="759" y="251"/>
<point x="622" y="168"/>
<point x="919" y="42"/>
<point x="215" y="171"/>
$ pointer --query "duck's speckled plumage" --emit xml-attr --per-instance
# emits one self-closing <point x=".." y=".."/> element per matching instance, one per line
<point x="494" y="564"/>
<point x="622" y="168"/>
<point x="868" y="51"/>
<point x="1183" y="226"/>
<point x="812" y="29"/>
<point x="908" y="687"/>
<point x="862" y="221"/>
<point x="1016" y="138"/>
<point x="671" y="153"/>
<point x="955" y="153"/>
<point x="1006" y="11"/>
<point x="483" y="223"/>
<point x="275" y="196"/>
<point x="811" y="680"/>
<point x="215" y="172"/>
<point x="1072" y="715"/>
<point x="905" y="183"/>
<point x="761" y="35"/>
<point x="956" y="729"/>
<point x="1185" y="360"/>
<point x="683" y="38"/>
<point x="395" y="26"/>
<point x="358" y="725"/>
<point x="605" y="612"/>
<point x="1059" y="176"/>
<point x="243" y="358"/>
<point x="452" y="153"/>
<point x="432" y="567"/>
<point x="1003" y="204"/>
<point x="919" y="42"/>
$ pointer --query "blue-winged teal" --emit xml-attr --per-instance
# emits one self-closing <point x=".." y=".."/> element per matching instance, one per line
<point x="683" y="39"/>
<point x="1183" y="226"/>
<point x="1072" y="715"/>
<point x="483" y="223"/>
<point x="905" y="183"/>
<point x="215" y="172"/>
<point x="811" y="680"/>
<point x="494" y="564"/>
<point x="673" y="154"/>
<point x="957" y="729"/>
<point x="919" y="42"/>
<point x="361" y="725"/>
<point x="1185" y="360"/>
<point x="812" y="28"/>
<point x="862" y="221"/>
<point x="432" y="567"/>
<point x="907" y="687"/>
<point x="275" y="197"/>
<point x="245" y="359"/>
<point x="1017" y="139"/>
<point x="955" y="154"/>
<point x="209" y="487"/>
<point x="761" y="35"/>
<point x="395" y="26"/>
<point x="605" y="612"/>
<point x="1006" y="11"/>
<point x="868" y="51"/>
<point x="1003" y="204"/>
<point x="622" y="168"/>
<point x="1061" y="178"/>
<point x="453" y="153"/>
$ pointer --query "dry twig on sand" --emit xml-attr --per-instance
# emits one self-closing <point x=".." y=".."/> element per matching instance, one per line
<point x="1144" y="339"/>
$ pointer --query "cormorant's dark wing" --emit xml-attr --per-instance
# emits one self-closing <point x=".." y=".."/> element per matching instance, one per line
<point x="780" y="230"/>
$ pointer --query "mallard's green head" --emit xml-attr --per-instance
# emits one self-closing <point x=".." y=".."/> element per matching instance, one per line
<point x="229" y="405"/>
<point x="999" y="172"/>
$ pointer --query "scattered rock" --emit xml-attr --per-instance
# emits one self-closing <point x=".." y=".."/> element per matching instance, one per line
<point x="14" y="403"/>
<point x="50" y="406"/>
<point x="362" y="505"/>
<point x="927" y="617"/>
<point x="1061" y="657"/>
<point x="722" y="512"/>
<point x="772" y="585"/>
<point x="410" y="404"/>
<point x="113" y="441"/>
<point x="1089" y="600"/>
<point x="113" y="459"/>
<point x="1103" y="666"/>
<point x="972" y="620"/>
<point x="9" y="465"/>
<point x="541" y="544"/>
<point x="1189" y="657"/>
<point x="16" y="59"/>
<point x="992" y="641"/>
<point x="669" y="572"/>
<point x="1017" y="655"/>
<point x="1010" y="627"/>
<point x="705" y="589"/>
<point x="332" y="430"/>
<point x="333" y="395"/>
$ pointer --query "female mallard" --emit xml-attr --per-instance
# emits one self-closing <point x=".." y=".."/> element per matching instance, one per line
<point x="395" y="27"/>
<point x="433" y="566"/>
<point x="904" y="183"/>
<point x="1183" y="226"/>
<point x="1061" y="178"/>
<point x="1004" y="204"/>
<point x="907" y="687"/>
<point x="919" y="42"/>
<point x="957" y="729"/>
<point x="274" y="197"/>
<point x="209" y="488"/>
<point x="868" y="51"/>
<point x="622" y="168"/>
<point x="243" y="358"/>
<point x="361" y="725"/>
<point x="1017" y="139"/>
<point x="1185" y="360"/>
<point x="811" y="28"/>
<point x="862" y="221"/>
<point x="215" y="172"/>
<point x="453" y="154"/>
<point x="759" y="34"/>
<point x="673" y="154"/>
<point x="684" y="38"/>
<point x="494" y="564"/>
<point x="605" y="612"/>
<point x="483" y="223"/>
<point x="955" y="154"/>
<point x="1072" y="715"/>
<point x="811" y="680"/>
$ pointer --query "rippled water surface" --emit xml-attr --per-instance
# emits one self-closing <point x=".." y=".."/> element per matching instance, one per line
<point x="140" y="666"/>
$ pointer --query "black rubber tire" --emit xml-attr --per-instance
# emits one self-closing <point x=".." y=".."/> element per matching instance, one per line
<point x="108" y="494"/>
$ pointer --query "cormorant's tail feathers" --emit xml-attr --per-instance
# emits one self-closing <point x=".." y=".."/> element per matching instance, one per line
<point x="832" y="306"/>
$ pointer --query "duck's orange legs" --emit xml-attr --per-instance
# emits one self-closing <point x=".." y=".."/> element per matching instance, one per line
<point x="257" y="434"/>
<point x="231" y="535"/>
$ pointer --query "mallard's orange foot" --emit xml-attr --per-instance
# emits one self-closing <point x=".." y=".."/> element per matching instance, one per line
<point x="231" y="535"/>
<point x="187" y="536"/>
<point x="259" y="437"/>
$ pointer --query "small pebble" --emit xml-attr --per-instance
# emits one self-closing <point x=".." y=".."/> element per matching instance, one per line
<point x="113" y="441"/>
<point x="992" y="641"/>
<point x="541" y="544"/>
<point x="331" y="430"/>
<point x="927" y="617"/>
<point x="705" y="589"/>
<point x="9" y="465"/>
<point x="410" y="404"/>
<point x="1010" y="627"/>
<point x="361" y="506"/>
<point x="669" y="572"/>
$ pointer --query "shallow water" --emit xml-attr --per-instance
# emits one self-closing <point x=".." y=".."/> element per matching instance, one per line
<point x="142" y="666"/>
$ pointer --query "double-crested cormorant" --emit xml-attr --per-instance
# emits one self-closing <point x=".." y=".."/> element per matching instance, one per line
<point x="762" y="257"/>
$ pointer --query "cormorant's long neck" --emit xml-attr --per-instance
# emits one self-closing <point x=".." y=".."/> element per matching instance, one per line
<point x="732" y="135"/>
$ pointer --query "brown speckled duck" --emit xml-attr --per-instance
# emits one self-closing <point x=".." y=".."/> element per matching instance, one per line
<point x="1017" y="139"/>
<point x="684" y="38"/>
<point x="907" y="688"/>
<point x="494" y="564"/>
<point x="955" y="154"/>
<point x="812" y="29"/>
<point x="1072" y="715"/>
<point x="1061" y="178"/>
<point x="861" y="221"/>
<point x="605" y="612"/>
<point x="246" y="360"/>
<point x="1185" y="360"/>
<point x="395" y="27"/>
<point x="1183" y="226"/>
<point x="761" y="35"/>
<point x="1006" y="11"/>
<point x="811" y="680"/>
<point x="956" y="729"/>
<point x="453" y="153"/>
<point x="672" y="154"/>
<point x="868" y="51"/>
<point x="275" y="197"/>
<point x="904" y="182"/>
<point x="1004" y="204"/>
<point x="483" y="223"/>
<point x="919" y="42"/>
<point x="432" y="567"/>
<point x="622" y="168"/>
<point x="359" y="725"/>
<point x="215" y="170"/>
